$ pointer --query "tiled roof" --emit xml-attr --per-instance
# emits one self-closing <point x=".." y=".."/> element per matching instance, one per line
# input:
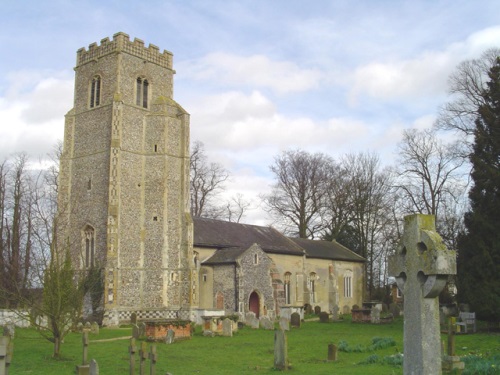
<point x="224" y="234"/>
<point x="225" y="256"/>
<point x="327" y="250"/>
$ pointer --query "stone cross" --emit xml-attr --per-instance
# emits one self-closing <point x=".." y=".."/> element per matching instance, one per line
<point x="85" y="342"/>
<point x="421" y="266"/>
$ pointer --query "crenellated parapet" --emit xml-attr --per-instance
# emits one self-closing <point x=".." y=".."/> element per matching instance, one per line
<point x="121" y="43"/>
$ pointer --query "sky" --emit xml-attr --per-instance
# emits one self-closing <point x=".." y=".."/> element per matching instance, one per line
<point x="257" y="76"/>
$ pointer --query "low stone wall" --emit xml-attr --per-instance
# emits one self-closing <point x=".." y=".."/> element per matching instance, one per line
<point x="19" y="318"/>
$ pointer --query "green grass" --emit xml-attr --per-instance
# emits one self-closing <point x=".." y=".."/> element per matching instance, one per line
<point x="249" y="351"/>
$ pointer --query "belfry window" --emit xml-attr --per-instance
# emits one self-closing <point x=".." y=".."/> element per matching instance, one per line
<point x="348" y="286"/>
<point x="89" y="246"/>
<point x="142" y="92"/>
<point x="95" y="92"/>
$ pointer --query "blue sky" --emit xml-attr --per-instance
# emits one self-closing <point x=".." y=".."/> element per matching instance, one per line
<point x="257" y="77"/>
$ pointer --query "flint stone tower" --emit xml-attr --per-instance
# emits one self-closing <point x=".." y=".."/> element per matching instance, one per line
<point x="124" y="181"/>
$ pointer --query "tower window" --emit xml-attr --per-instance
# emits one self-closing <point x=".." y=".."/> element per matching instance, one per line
<point x="142" y="92"/>
<point x="287" y="287"/>
<point x="89" y="243"/>
<point x="95" y="92"/>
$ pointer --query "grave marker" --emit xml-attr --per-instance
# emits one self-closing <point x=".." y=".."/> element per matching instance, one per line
<point x="94" y="367"/>
<point x="284" y="324"/>
<point x="227" y="327"/>
<point x="324" y="317"/>
<point x="332" y="352"/>
<point x="280" y="350"/>
<point x="375" y="315"/>
<point x="6" y="349"/>
<point x="152" y="360"/>
<point x="421" y="266"/>
<point x="169" y="339"/>
<point x="335" y="313"/>
<point x="295" y="320"/>
<point x="143" y="355"/>
<point x="266" y="323"/>
<point x="84" y="368"/>
<point x="132" y="350"/>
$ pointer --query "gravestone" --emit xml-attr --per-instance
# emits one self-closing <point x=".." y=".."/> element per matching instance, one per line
<point x="87" y="326"/>
<point x="94" y="367"/>
<point x="375" y="315"/>
<point x="135" y="331"/>
<point x="133" y="318"/>
<point x="394" y="309"/>
<point x="94" y="328"/>
<point x="335" y="313"/>
<point x="346" y="310"/>
<point x="317" y="310"/>
<point x="6" y="348"/>
<point x="79" y="327"/>
<point x="295" y="320"/>
<point x="132" y="349"/>
<point x="284" y="324"/>
<point x="251" y="320"/>
<point x="153" y="358"/>
<point x="9" y="330"/>
<point x="142" y="329"/>
<point x="227" y="327"/>
<point x="421" y="265"/>
<point x="170" y="338"/>
<point x="266" y="323"/>
<point x="324" y="317"/>
<point x="84" y="368"/>
<point x="280" y="350"/>
<point x="332" y="352"/>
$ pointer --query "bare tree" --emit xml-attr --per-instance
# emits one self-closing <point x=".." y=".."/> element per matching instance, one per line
<point x="467" y="88"/>
<point x="236" y="208"/>
<point x="206" y="183"/>
<point x="298" y="196"/>
<point x="429" y="172"/>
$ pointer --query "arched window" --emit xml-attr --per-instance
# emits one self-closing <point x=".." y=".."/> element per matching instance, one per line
<point x="89" y="246"/>
<point x="348" y="284"/>
<point x="288" y="275"/>
<point x="142" y="92"/>
<point x="95" y="92"/>
<point x="312" y="287"/>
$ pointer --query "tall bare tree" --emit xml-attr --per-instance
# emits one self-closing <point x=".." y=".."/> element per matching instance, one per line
<point x="206" y="183"/>
<point x="298" y="196"/>
<point x="429" y="172"/>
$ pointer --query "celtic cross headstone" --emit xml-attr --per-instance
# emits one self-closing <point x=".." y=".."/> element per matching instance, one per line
<point x="421" y="266"/>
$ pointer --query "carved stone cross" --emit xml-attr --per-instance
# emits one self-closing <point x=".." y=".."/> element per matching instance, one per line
<point x="421" y="267"/>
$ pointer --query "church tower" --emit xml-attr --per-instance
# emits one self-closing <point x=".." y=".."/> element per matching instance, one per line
<point x="124" y="181"/>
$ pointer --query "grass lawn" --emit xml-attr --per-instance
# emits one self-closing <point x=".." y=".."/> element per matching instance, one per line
<point x="247" y="352"/>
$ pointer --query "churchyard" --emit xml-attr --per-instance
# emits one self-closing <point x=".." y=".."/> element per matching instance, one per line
<point x="250" y="351"/>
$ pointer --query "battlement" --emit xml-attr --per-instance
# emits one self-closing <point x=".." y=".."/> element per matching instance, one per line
<point x="121" y="43"/>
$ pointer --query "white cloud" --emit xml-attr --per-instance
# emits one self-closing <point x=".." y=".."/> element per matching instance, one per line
<point x="256" y="71"/>
<point x="425" y="75"/>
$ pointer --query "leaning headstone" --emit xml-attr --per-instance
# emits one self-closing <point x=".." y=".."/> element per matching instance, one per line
<point x="324" y="317"/>
<point x="142" y="329"/>
<point x="94" y="328"/>
<point x="317" y="310"/>
<point x="375" y="315"/>
<point x="280" y="350"/>
<point x="227" y="327"/>
<point x="251" y="320"/>
<point x="94" y="367"/>
<point x="133" y="318"/>
<point x="284" y="324"/>
<point x="295" y="320"/>
<point x="335" y="313"/>
<point x="170" y="338"/>
<point x="421" y="266"/>
<point x="135" y="331"/>
<point x="266" y="323"/>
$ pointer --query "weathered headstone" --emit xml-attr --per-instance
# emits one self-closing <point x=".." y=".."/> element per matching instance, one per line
<point x="375" y="315"/>
<point x="317" y="310"/>
<point x="280" y="350"/>
<point x="133" y="318"/>
<point x="346" y="310"/>
<point x="251" y="320"/>
<point x="94" y="367"/>
<point x="6" y="347"/>
<point x="421" y="266"/>
<point x="295" y="320"/>
<point x="142" y="329"/>
<point x="309" y="309"/>
<point x="266" y="323"/>
<point x="284" y="324"/>
<point x="227" y="327"/>
<point x="132" y="350"/>
<point x="94" y="328"/>
<point x="332" y="352"/>
<point x="170" y="338"/>
<point x="135" y="331"/>
<point x="324" y="317"/>
<point x="152" y="360"/>
<point x="395" y="309"/>
<point x="335" y="313"/>
<point x="79" y="327"/>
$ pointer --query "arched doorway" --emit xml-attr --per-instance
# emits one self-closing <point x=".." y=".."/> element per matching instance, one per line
<point x="254" y="303"/>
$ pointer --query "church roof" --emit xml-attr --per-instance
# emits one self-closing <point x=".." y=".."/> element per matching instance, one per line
<point x="224" y="234"/>
<point x="327" y="250"/>
<point x="225" y="256"/>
